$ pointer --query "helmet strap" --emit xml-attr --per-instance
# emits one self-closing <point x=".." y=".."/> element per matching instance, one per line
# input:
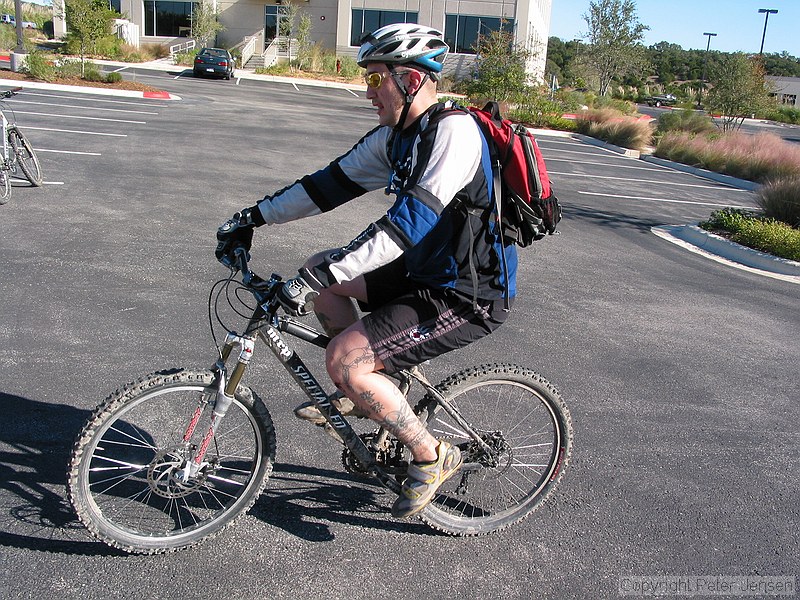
<point x="409" y="98"/>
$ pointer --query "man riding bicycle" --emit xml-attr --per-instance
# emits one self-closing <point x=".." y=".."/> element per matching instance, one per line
<point x="432" y="274"/>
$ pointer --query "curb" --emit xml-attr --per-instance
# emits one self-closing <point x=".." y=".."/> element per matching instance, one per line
<point x="722" y="250"/>
<point x="36" y="85"/>
<point x="605" y="145"/>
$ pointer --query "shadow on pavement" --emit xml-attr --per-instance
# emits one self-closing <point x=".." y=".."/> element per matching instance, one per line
<point x="34" y="448"/>
<point x="303" y="500"/>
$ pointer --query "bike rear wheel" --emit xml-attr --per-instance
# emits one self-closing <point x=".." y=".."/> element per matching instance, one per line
<point x="5" y="185"/>
<point x="26" y="158"/>
<point x="524" y="421"/>
<point x="125" y="479"/>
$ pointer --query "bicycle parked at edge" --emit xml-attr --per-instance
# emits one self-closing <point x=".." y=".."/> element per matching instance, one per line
<point x="17" y="152"/>
<point x="174" y="457"/>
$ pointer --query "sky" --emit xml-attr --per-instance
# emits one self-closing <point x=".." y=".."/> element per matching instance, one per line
<point x="737" y="23"/>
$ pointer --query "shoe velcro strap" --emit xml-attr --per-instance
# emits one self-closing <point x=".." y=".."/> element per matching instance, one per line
<point x="418" y="474"/>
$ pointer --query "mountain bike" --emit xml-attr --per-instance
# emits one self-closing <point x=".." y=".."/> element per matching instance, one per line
<point x="17" y="152"/>
<point x="173" y="458"/>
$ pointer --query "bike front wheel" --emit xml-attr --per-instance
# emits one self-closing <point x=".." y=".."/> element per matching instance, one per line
<point x="26" y="158"/>
<point x="128" y="479"/>
<point x="526" y="432"/>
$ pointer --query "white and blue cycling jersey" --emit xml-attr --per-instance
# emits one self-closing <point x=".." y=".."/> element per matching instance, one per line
<point x="435" y="168"/>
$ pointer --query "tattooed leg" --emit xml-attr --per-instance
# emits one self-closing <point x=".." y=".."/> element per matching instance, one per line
<point x="352" y="366"/>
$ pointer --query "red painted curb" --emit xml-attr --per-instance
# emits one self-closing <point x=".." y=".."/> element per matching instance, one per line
<point x="161" y="95"/>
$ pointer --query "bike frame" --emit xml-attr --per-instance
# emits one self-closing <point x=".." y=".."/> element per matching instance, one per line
<point x="6" y="155"/>
<point x="270" y="332"/>
<point x="266" y="324"/>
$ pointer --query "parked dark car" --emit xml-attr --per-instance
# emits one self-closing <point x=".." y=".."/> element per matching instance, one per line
<point x="213" y="61"/>
<point x="662" y="100"/>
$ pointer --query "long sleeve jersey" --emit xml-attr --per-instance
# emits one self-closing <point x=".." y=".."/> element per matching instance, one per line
<point x="440" y="177"/>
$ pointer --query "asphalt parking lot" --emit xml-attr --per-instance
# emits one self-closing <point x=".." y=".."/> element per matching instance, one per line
<point x="679" y="371"/>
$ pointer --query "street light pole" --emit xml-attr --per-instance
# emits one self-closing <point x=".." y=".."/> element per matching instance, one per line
<point x="767" y="12"/>
<point x="705" y="61"/>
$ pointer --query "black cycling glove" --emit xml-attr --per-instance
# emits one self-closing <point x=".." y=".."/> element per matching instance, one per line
<point x="237" y="232"/>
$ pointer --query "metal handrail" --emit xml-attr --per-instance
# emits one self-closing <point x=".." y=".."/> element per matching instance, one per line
<point x="182" y="47"/>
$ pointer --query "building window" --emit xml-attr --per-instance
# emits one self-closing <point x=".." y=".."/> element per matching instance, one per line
<point x="115" y="5"/>
<point x="367" y="21"/>
<point x="461" y="31"/>
<point x="790" y="99"/>
<point x="167" y="19"/>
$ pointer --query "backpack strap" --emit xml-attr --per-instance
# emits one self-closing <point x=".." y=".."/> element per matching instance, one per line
<point x="497" y="194"/>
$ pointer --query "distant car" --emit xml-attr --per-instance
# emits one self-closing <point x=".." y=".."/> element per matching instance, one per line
<point x="30" y="25"/>
<point x="213" y="61"/>
<point x="9" y="19"/>
<point x="662" y="100"/>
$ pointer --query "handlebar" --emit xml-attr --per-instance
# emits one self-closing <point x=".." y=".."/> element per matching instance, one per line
<point x="12" y="92"/>
<point x="264" y="291"/>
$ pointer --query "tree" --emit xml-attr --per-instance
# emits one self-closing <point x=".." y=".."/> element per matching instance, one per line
<point x="739" y="89"/>
<point x="88" y="21"/>
<point x="614" y="40"/>
<point x="499" y="67"/>
<point x="205" y="22"/>
<point x="304" y="44"/>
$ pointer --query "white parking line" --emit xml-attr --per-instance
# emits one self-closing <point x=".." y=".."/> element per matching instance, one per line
<point x="21" y="112"/>
<point x="123" y="110"/>
<point x="653" y="199"/>
<point x="73" y="131"/>
<point x="294" y="85"/>
<point x="642" y="167"/>
<point x="352" y="92"/>
<point x="650" y="181"/>
<point x="68" y="152"/>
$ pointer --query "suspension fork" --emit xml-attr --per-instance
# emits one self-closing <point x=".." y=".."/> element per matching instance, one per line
<point x="226" y="388"/>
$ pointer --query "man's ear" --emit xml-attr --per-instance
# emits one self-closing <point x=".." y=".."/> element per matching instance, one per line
<point x="414" y="80"/>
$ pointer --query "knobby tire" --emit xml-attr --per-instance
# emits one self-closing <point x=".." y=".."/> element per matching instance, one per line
<point x="525" y="421"/>
<point x="26" y="158"/>
<point x="123" y="476"/>
<point x="5" y="185"/>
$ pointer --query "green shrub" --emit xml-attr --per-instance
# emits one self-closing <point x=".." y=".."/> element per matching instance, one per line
<point x="186" y="58"/>
<point x="761" y="233"/>
<point x="40" y="65"/>
<point x="70" y="68"/>
<point x="8" y="37"/>
<point x="276" y="69"/>
<point x="780" y="200"/>
<point x="113" y="77"/>
<point x="685" y="120"/>
<point x="93" y="74"/>
<point x="785" y="114"/>
<point x="622" y="106"/>
<point x="350" y="68"/>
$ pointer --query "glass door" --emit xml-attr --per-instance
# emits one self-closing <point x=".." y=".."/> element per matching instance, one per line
<point x="272" y="19"/>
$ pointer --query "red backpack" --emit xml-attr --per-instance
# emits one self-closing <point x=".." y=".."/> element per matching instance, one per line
<point x="526" y="205"/>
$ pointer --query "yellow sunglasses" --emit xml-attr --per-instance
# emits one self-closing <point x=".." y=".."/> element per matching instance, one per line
<point x="375" y="80"/>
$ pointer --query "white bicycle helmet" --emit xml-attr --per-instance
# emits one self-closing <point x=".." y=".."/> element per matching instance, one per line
<point x="405" y="44"/>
